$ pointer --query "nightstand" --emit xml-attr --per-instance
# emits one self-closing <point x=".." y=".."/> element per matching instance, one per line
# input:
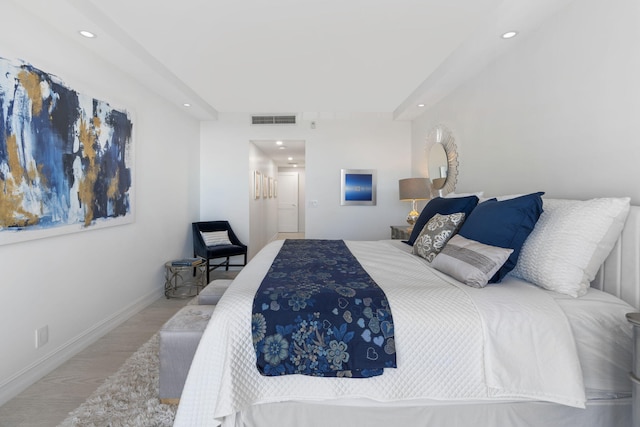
<point x="634" y="319"/>
<point x="401" y="232"/>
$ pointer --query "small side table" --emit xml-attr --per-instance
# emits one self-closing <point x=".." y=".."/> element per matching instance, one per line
<point x="401" y="232"/>
<point x="634" y="319"/>
<point x="184" y="278"/>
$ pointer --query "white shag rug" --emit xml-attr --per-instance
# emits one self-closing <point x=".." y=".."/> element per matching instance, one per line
<point x="129" y="397"/>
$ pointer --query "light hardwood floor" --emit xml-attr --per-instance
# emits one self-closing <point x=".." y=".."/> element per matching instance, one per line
<point x="48" y="402"/>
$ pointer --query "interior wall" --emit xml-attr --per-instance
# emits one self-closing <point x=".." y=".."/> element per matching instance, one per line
<point x="558" y="113"/>
<point x="263" y="211"/>
<point x="302" y="208"/>
<point x="370" y="142"/>
<point x="81" y="285"/>
<point x="366" y="141"/>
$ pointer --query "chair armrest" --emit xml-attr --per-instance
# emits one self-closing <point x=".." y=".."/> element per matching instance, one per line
<point x="234" y="239"/>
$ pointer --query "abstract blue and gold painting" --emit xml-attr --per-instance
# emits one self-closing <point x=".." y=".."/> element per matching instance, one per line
<point x="65" y="158"/>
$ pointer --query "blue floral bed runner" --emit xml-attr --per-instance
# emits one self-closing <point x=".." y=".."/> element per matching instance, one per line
<point x="318" y="312"/>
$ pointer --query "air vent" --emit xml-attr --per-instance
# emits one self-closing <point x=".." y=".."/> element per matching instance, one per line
<point x="273" y="120"/>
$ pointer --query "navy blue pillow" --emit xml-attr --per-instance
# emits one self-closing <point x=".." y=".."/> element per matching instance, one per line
<point x="505" y="224"/>
<point x="442" y="206"/>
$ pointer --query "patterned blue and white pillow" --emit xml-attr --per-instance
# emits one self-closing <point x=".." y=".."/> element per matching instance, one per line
<point x="436" y="233"/>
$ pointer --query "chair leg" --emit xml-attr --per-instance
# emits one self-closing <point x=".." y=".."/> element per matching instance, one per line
<point x="194" y="269"/>
<point x="226" y="267"/>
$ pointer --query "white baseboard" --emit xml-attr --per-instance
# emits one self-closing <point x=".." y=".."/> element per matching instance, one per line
<point x="273" y="238"/>
<point x="20" y="381"/>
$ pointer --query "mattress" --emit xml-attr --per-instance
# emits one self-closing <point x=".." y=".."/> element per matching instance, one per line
<point x="602" y="337"/>
<point x="506" y="343"/>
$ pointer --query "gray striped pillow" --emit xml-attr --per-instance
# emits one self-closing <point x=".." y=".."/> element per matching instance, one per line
<point x="216" y="238"/>
<point x="470" y="262"/>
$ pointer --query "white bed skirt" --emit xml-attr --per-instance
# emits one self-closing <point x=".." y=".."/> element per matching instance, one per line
<point x="610" y="413"/>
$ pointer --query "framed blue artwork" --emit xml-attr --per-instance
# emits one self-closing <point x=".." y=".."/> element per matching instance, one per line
<point x="358" y="187"/>
<point x="66" y="159"/>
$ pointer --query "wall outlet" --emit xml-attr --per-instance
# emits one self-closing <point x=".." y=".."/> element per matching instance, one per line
<point x="42" y="336"/>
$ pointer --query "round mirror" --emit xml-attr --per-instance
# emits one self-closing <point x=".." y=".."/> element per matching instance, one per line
<point x="442" y="160"/>
<point x="438" y="166"/>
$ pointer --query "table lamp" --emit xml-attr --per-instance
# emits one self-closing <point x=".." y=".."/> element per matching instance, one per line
<point x="413" y="189"/>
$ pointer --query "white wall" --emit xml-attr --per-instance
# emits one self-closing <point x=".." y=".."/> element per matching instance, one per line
<point x="359" y="143"/>
<point x="263" y="212"/>
<point x="558" y="113"/>
<point x="367" y="141"/>
<point x="85" y="283"/>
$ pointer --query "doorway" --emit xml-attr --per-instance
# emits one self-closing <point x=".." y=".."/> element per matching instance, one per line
<point x="268" y="159"/>
<point x="288" y="202"/>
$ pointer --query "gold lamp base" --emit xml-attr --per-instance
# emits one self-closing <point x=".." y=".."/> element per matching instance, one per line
<point x="413" y="215"/>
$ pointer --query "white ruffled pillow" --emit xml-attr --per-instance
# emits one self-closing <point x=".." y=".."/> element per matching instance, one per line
<point x="570" y="242"/>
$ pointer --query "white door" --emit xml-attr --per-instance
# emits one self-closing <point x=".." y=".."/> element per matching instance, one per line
<point x="288" y="202"/>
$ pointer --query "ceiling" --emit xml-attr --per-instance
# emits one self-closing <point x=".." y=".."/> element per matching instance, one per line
<point x="281" y="153"/>
<point x="296" y="56"/>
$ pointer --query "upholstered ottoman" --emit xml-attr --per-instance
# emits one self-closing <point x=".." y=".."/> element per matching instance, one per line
<point x="211" y="294"/>
<point x="179" y="339"/>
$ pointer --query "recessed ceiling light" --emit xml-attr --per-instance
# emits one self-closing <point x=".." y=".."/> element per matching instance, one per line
<point x="186" y="104"/>
<point x="509" y="34"/>
<point x="420" y="105"/>
<point x="289" y="158"/>
<point x="87" y="34"/>
<point x="278" y="142"/>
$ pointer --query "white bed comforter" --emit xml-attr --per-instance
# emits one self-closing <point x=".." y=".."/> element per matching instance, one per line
<point x="453" y="342"/>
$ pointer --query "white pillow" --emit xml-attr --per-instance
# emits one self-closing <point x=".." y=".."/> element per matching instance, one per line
<point x="479" y="195"/>
<point x="215" y="238"/>
<point x="502" y="198"/>
<point x="569" y="243"/>
<point x="470" y="262"/>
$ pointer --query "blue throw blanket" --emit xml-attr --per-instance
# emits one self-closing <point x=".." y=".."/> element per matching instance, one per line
<point x="318" y="312"/>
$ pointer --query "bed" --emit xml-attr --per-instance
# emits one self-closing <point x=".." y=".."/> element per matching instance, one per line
<point x="510" y="353"/>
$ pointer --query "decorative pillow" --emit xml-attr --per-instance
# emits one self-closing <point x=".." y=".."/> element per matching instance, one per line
<point x="500" y="198"/>
<point x="570" y="242"/>
<point x="470" y="262"/>
<point x="215" y="238"/>
<point x="452" y="195"/>
<point x="506" y="224"/>
<point x="443" y="207"/>
<point x="436" y="233"/>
